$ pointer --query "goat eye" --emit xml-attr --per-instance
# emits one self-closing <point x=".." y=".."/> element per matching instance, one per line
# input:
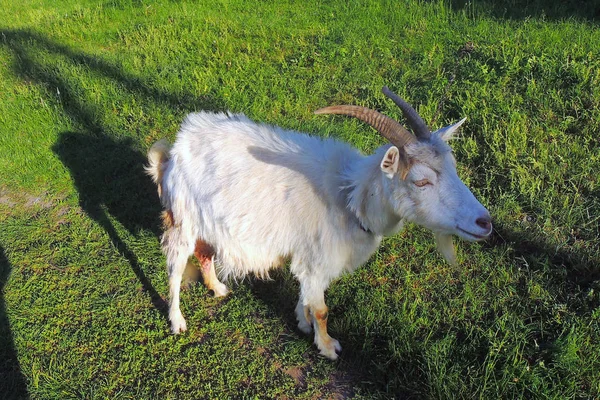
<point x="422" y="182"/>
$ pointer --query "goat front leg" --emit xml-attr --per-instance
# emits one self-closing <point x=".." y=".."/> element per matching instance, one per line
<point x="313" y="298"/>
<point x="303" y="317"/>
<point x="329" y="346"/>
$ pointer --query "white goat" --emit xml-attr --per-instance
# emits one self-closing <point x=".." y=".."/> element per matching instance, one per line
<point x="247" y="197"/>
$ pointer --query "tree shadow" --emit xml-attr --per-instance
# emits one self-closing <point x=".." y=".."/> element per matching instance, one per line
<point x="553" y="10"/>
<point x="24" y="42"/>
<point x="12" y="382"/>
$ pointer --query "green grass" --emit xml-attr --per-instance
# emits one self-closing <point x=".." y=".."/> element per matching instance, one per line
<point x="87" y="87"/>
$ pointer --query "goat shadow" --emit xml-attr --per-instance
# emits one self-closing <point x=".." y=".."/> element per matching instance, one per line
<point x="12" y="382"/>
<point x="110" y="179"/>
<point x="107" y="171"/>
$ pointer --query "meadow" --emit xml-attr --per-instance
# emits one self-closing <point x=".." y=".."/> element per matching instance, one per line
<point x="86" y="87"/>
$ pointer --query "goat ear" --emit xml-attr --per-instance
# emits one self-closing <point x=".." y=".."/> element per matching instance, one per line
<point x="391" y="162"/>
<point x="446" y="133"/>
<point x="395" y="161"/>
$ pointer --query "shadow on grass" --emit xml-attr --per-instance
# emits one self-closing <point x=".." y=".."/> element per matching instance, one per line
<point x="571" y="274"/>
<point x="523" y="9"/>
<point x="12" y="382"/>
<point x="356" y="370"/>
<point x="107" y="171"/>
<point x="111" y="182"/>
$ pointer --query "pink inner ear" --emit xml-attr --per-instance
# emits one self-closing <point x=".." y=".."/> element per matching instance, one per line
<point x="390" y="159"/>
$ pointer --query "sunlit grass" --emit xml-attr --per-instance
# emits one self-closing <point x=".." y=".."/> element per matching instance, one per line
<point x="86" y="88"/>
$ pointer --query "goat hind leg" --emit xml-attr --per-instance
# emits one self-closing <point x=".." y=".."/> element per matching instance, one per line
<point x="206" y="257"/>
<point x="177" y="253"/>
<point x="176" y="269"/>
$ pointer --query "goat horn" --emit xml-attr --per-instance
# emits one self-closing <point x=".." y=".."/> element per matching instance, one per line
<point x="387" y="127"/>
<point x="412" y="116"/>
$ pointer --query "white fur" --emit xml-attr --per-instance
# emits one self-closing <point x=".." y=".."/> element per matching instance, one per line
<point x="260" y="194"/>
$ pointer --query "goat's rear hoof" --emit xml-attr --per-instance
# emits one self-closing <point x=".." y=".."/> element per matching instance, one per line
<point x="178" y="324"/>
<point x="220" y="290"/>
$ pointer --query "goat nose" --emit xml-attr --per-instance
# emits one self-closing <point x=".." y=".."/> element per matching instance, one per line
<point x="484" y="222"/>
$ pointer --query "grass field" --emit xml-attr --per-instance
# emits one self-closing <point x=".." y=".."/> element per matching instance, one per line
<point x="86" y="87"/>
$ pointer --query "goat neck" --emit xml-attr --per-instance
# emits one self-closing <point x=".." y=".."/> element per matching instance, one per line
<point x="367" y="195"/>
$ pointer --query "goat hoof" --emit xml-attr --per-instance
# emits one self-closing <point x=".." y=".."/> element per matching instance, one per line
<point x="178" y="324"/>
<point x="304" y="326"/>
<point x="337" y="345"/>
<point x="220" y="290"/>
<point x="330" y="349"/>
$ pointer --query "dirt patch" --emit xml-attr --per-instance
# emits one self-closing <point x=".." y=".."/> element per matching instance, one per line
<point x="297" y="375"/>
<point x="6" y="199"/>
<point x="340" y="385"/>
<point x="63" y="211"/>
<point x="38" y="202"/>
<point x="11" y="198"/>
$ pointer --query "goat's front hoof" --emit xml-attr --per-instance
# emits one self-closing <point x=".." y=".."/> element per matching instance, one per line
<point x="304" y="326"/>
<point x="178" y="324"/>
<point x="330" y="348"/>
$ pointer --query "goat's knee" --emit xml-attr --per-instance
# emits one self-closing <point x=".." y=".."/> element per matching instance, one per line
<point x="312" y="309"/>
<point x="328" y="346"/>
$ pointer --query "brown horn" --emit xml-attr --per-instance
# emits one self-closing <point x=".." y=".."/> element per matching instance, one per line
<point x="387" y="127"/>
<point x="412" y="116"/>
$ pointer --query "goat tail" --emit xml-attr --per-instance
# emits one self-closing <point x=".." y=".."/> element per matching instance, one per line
<point x="158" y="157"/>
